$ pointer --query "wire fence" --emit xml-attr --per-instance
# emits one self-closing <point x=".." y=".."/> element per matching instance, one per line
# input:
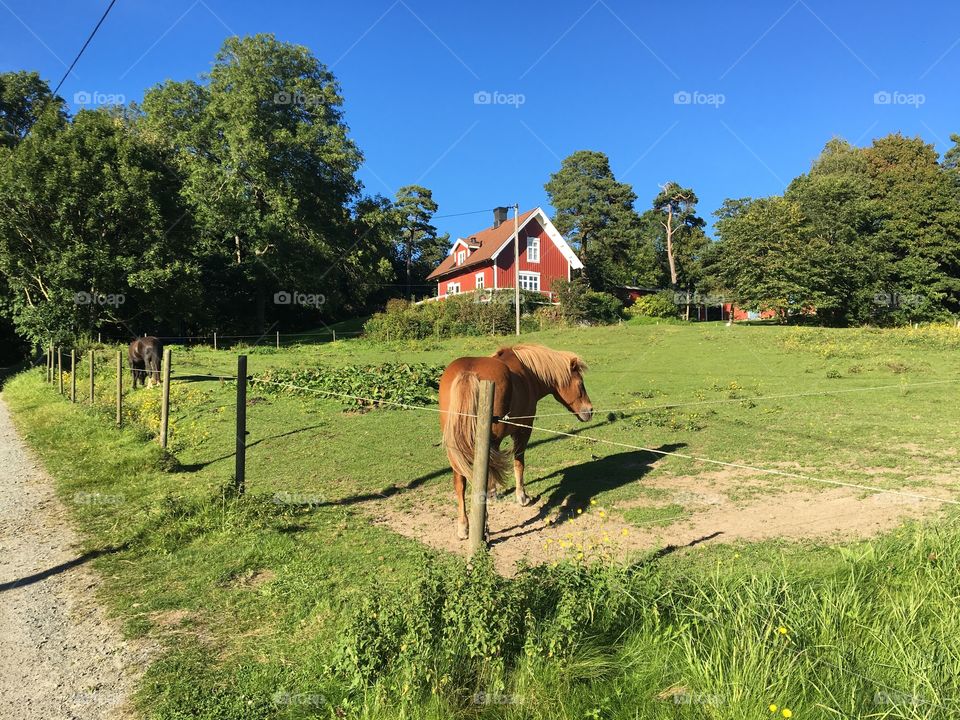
<point x="188" y="372"/>
<point x="194" y="371"/>
<point x="216" y="339"/>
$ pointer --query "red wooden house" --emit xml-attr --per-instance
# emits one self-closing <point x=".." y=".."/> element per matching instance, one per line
<point x="485" y="260"/>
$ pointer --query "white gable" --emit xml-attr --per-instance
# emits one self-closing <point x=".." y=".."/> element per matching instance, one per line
<point x="540" y="216"/>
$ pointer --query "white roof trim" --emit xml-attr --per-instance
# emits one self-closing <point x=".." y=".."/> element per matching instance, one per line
<point x="569" y="255"/>
<point x="460" y="241"/>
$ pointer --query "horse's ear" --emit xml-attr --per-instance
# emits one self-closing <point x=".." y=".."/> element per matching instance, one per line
<point x="574" y="364"/>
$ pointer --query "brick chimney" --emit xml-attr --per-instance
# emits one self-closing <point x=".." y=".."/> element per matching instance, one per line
<point x="499" y="216"/>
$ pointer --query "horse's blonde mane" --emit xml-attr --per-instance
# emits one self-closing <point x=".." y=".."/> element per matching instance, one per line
<point x="553" y="367"/>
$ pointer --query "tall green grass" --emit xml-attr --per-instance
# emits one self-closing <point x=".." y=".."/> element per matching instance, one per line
<point x="293" y="602"/>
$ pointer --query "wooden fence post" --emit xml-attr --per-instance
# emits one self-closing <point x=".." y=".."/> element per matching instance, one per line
<point x="119" y="388"/>
<point x="60" y="371"/>
<point x="241" y="465"/>
<point x="165" y="403"/>
<point x="50" y="364"/>
<point x="73" y="376"/>
<point x="334" y="334"/>
<point x="481" y="466"/>
<point x="214" y="341"/>
<point x="278" y="339"/>
<point x="91" y="376"/>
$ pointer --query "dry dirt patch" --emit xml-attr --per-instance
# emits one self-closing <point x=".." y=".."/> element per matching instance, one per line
<point x="721" y="506"/>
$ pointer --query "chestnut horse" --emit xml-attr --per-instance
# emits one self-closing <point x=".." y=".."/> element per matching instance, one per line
<point x="146" y="356"/>
<point x="522" y="375"/>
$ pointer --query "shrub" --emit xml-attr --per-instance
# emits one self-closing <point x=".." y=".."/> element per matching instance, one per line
<point x="475" y="313"/>
<point x="459" y="625"/>
<point x="661" y="305"/>
<point x="413" y="384"/>
<point x="579" y="304"/>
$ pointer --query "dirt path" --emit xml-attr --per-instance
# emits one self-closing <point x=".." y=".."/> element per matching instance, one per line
<point x="60" y="657"/>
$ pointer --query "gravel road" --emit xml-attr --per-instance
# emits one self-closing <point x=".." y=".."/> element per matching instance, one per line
<point x="60" y="656"/>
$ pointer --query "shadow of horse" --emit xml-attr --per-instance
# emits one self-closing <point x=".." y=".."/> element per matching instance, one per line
<point x="575" y="486"/>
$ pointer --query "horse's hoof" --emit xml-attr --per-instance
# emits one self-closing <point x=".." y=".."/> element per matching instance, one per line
<point x="523" y="499"/>
<point x="463" y="531"/>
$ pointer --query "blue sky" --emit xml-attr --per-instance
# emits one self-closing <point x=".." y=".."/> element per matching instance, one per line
<point x="766" y="84"/>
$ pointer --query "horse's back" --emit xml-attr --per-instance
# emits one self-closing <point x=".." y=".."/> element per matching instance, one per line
<point x="144" y="347"/>
<point x="486" y="368"/>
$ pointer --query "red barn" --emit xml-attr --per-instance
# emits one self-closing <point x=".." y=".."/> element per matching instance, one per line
<point x="485" y="260"/>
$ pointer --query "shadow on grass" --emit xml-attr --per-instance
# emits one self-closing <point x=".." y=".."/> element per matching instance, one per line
<point x="62" y="567"/>
<point x="417" y="482"/>
<point x="668" y="549"/>
<point x="575" y="486"/>
<point x="195" y="467"/>
<point x="572" y="482"/>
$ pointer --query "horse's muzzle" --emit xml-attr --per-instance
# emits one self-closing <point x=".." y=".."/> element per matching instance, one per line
<point x="585" y="414"/>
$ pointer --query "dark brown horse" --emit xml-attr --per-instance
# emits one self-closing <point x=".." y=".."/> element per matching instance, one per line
<point x="146" y="357"/>
<point x="523" y="375"/>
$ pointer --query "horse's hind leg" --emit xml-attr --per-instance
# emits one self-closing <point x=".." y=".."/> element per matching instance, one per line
<point x="459" y="489"/>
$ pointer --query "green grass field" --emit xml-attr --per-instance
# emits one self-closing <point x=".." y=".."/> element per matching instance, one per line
<point x="295" y="602"/>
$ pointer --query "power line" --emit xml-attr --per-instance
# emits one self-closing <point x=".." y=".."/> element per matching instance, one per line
<point x="472" y="212"/>
<point x="70" y="69"/>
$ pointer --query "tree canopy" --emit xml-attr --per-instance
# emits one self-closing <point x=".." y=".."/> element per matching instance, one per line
<point x="209" y="205"/>
<point x="215" y="203"/>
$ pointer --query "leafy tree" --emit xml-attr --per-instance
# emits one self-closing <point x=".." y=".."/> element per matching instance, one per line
<point x="683" y="238"/>
<point x="765" y="260"/>
<point x="840" y="220"/>
<point x="951" y="158"/>
<point x="919" y="236"/>
<point x="268" y="167"/>
<point x="24" y="97"/>
<point x="868" y="235"/>
<point x="88" y="216"/>
<point x="677" y="206"/>
<point x="595" y="212"/>
<point x="421" y="249"/>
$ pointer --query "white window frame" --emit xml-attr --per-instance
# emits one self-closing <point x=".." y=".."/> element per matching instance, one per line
<point x="533" y="243"/>
<point x="461" y="256"/>
<point x="453" y="288"/>
<point x="479" y="281"/>
<point x="528" y="280"/>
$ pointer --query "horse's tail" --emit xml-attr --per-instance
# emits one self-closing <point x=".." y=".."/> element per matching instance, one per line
<point x="153" y="361"/>
<point x="459" y="432"/>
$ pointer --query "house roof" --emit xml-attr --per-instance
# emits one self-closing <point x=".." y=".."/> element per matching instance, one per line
<point x="489" y="241"/>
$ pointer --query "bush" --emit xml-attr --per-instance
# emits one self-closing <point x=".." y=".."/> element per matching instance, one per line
<point x="458" y="626"/>
<point x="579" y="304"/>
<point x="661" y="305"/>
<point x="475" y="313"/>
